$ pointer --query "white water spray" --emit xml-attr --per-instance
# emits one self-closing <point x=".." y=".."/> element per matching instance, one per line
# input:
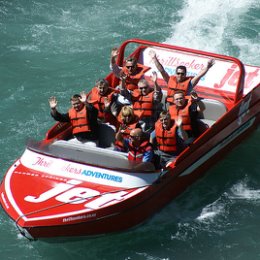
<point x="221" y="27"/>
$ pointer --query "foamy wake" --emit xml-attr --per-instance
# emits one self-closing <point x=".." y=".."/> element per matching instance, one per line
<point x="211" y="211"/>
<point x="242" y="191"/>
<point x="215" y="26"/>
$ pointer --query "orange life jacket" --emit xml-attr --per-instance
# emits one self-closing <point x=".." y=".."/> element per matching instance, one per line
<point x="98" y="101"/>
<point x="184" y="113"/>
<point x="125" y="129"/>
<point x="132" y="80"/>
<point x="79" y="120"/>
<point x="173" y="85"/>
<point x="138" y="154"/>
<point x="143" y="104"/>
<point x="166" y="139"/>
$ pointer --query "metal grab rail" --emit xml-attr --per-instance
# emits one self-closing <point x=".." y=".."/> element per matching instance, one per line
<point x="241" y="76"/>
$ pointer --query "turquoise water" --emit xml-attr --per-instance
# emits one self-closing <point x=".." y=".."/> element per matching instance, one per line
<point x="60" y="48"/>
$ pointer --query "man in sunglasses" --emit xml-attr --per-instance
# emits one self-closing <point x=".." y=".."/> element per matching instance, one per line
<point x="140" y="150"/>
<point x="146" y="101"/>
<point x="132" y="70"/>
<point x="180" y="81"/>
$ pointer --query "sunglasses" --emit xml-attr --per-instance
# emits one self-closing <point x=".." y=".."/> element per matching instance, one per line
<point x="180" y="73"/>
<point x="135" y="137"/>
<point x="130" y="67"/>
<point x="143" y="88"/>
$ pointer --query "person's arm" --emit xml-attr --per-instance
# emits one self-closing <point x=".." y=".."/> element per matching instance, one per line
<point x="200" y="107"/>
<point x="148" y="156"/>
<point x="180" y="132"/>
<point x="157" y="95"/>
<point x="124" y="91"/>
<point x="113" y="66"/>
<point x="54" y="112"/>
<point x="196" y="79"/>
<point x="159" y="66"/>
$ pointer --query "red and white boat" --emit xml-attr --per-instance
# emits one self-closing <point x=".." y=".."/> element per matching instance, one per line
<point x="65" y="188"/>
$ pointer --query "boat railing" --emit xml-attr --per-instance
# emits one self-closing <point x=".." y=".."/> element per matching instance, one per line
<point x="144" y="44"/>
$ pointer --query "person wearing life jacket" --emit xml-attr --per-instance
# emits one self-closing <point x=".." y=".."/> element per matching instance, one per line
<point x="180" y="81"/>
<point x="140" y="150"/>
<point x="169" y="137"/>
<point x="132" y="70"/>
<point x="146" y="101"/>
<point x="127" y="121"/>
<point x="188" y="108"/>
<point x="103" y="99"/>
<point x="81" y="115"/>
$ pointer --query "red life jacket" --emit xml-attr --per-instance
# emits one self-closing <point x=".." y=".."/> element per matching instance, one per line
<point x="143" y="104"/>
<point x="166" y="139"/>
<point x="98" y="101"/>
<point x="173" y="85"/>
<point x="79" y="120"/>
<point x="126" y="128"/>
<point x="138" y="154"/>
<point x="184" y="113"/>
<point x="132" y="80"/>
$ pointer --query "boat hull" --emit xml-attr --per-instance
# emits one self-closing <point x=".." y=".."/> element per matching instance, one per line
<point x="55" y="193"/>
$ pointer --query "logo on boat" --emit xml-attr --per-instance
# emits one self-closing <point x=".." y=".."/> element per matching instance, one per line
<point x="79" y="217"/>
<point x="42" y="162"/>
<point x="100" y="175"/>
<point x="71" y="193"/>
<point x="95" y="174"/>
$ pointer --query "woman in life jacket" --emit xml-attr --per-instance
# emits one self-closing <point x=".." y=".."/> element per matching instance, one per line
<point x="127" y="121"/>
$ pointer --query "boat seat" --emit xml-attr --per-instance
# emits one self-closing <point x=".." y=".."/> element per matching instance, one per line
<point x="85" y="153"/>
<point x="106" y="133"/>
<point x="213" y="110"/>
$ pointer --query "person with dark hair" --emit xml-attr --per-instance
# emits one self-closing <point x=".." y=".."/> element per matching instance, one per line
<point x="188" y="108"/>
<point x="180" y="81"/>
<point x="103" y="98"/>
<point x="169" y="137"/>
<point x="146" y="101"/>
<point x="132" y="70"/>
<point x="81" y="115"/>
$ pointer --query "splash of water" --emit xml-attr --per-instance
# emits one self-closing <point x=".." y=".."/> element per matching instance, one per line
<point x="219" y="26"/>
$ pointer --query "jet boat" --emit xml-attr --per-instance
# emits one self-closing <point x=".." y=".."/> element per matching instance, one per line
<point x="60" y="187"/>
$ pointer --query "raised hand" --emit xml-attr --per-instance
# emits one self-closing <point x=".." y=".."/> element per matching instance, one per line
<point x="154" y="76"/>
<point x="53" y="102"/>
<point x="210" y="63"/>
<point x="83" y="98"/>
<point x="194" y="96"/>
<point x="114" y="52"/>
<point x="152" y="54"/>
<point x="178" y="121"/>
<point x="106" y="102"/>
<point x="123" y="76"/>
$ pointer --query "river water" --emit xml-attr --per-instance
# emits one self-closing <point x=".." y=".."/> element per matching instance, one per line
<point x="60" y="48"/>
